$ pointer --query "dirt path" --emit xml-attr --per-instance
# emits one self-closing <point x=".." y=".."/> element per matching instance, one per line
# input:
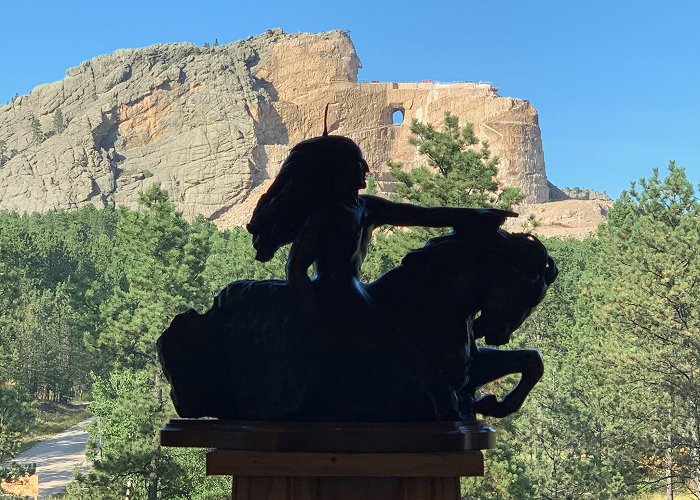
<point x="56" y="458"/>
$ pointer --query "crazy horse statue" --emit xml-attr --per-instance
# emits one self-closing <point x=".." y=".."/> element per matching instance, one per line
<point x="328" y="347"/>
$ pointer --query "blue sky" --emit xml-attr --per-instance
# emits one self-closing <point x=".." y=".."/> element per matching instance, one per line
<point x="615" y="83"/>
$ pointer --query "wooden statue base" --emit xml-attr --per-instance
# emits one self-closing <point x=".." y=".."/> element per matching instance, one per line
<point x="269" y="460"/>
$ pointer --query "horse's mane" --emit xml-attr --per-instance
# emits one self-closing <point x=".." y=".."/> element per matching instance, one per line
<point x="482" y="249"/>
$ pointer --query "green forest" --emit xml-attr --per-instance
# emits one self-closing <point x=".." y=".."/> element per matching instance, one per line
<point x="84" y="295"/>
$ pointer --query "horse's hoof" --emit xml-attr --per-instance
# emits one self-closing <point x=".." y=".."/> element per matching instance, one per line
<point x="488" y="406"/>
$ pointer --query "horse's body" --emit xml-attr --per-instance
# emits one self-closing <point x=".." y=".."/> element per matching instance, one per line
<point x="403" y="354"/>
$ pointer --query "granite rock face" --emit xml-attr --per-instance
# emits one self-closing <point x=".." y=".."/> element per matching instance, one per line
<point x="175" y="114"/>
<point x="562" y="219"/>
<point x="212" y="125"/>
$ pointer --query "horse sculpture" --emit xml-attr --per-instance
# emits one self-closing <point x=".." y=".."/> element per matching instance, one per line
<point x="410" y="356"/>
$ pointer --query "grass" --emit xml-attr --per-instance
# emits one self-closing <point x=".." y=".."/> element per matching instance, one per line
<point x="52" y="419"/>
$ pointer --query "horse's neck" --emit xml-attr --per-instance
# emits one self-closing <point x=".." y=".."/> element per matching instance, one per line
<point x="420" y="297"/>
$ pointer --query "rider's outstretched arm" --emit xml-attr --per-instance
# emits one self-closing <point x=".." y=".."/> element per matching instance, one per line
<point x="381" y="211"/>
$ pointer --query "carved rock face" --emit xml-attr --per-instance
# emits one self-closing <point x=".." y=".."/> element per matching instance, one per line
<point x="210" y="124"/>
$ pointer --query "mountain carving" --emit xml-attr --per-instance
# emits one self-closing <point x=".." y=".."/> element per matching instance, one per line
<point x="212" y="125"/>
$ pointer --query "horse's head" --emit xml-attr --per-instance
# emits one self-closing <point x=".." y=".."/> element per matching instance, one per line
<point x="501" y="275"/>
<point x="519" y="272"/>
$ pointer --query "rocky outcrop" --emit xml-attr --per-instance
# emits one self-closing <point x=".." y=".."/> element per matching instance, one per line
<point x="562" y="219"/>
<point x="175" y="114"/>
<point x="212" y="125"/>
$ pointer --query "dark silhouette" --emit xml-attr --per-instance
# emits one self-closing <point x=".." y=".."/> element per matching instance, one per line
<point x="314" y="204"/>
<point x="330" y="348"/>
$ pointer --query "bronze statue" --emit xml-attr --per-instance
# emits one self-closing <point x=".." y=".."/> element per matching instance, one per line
<point x="314" y="203"/>
<point x="331" y="348"/>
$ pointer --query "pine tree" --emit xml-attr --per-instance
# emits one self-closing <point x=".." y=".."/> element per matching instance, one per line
<point x="17" y="411"/>
<point x="460" y="174"/>
<point x="3" y="153"/>
<point x="164" y="259"/>
<point x="37" y="133"/>
<point x="58" y="123"/>
<point x="372" y="187"/>
<point x="124" y="449"/>
<point x="646" y="300"/>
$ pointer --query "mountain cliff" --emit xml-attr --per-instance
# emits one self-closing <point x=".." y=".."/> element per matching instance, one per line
<point x="212" y="125"/>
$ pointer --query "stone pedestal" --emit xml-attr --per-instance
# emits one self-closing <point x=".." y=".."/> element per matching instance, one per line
<point x="339" y="461"/>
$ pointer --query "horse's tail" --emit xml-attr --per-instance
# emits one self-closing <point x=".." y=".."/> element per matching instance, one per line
<point x="234" y="360"/>
<point x="192" y="365"/>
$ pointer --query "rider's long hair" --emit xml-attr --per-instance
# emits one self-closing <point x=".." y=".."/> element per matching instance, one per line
<point x="308" y="178"/>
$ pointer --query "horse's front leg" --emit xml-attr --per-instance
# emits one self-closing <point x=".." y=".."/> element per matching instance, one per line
<point x="443" y="385"/>
<point x="491" y="364"/>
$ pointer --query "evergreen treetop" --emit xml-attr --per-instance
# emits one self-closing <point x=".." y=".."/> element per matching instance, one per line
<point x="461" y="174"/>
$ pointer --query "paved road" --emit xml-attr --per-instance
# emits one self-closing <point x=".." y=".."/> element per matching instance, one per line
<point x="56" y="458"/>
